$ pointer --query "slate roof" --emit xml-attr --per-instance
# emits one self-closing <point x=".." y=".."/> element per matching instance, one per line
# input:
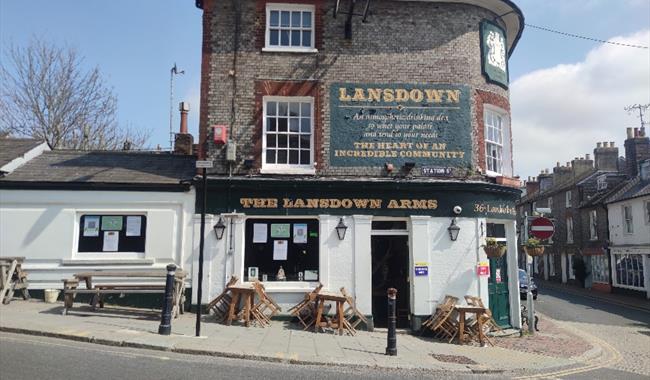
<point x="11" y="148"/>
<point x="83" y="167"/>
<point x="633" y="189"/>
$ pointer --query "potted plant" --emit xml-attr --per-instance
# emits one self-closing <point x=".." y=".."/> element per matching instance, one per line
<point x="492" y="249"/>
<point x="534" y="247"/>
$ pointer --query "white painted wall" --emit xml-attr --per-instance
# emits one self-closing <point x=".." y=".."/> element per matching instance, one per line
<point x="43" y="226"/>
<point x="641" y="226"/>
<point x="348" y="263"/>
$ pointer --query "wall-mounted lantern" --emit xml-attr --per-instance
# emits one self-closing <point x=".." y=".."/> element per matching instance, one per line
<point x="341" y="228"/>
<point x="219" y="229"/>
<point x="453" y="230"/>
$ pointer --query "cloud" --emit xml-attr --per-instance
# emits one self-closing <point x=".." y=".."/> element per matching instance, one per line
<point x="561" y="112"/>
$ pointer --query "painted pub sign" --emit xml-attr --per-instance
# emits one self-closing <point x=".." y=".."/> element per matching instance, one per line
<point x="426" y="124"/>
<point x="494" y="59"/>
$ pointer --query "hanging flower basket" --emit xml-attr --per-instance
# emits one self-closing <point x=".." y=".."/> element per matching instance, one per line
<point x="534" y="251"/>
<point x="494" y="251"/>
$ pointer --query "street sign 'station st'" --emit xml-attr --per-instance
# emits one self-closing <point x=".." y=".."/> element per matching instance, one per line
<point x="542" y="228"/>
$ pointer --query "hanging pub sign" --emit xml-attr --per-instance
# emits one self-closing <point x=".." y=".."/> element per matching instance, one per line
<point x="494" y="57"/>
<point x="424" y="124"/>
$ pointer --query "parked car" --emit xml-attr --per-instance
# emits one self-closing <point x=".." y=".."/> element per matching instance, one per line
<point x="523" y="285"/>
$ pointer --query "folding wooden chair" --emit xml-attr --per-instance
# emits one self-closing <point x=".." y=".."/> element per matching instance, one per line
<point x="265" y="308"/>
<point x="352" y="315"/>
<point x="487" y="319"/>
<point x="443" y="323"/>
<point x="219" y="305"/>
<point x="441" y="310"/>
<point x="305" y="310"/>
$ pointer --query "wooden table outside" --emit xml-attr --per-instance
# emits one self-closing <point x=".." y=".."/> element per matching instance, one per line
<point x="71" y="286"/>
<point x="245" y="292"/>
<point x="478" y="311"/>
<point x="341" y="322"/>
<point x="12" y="277"/>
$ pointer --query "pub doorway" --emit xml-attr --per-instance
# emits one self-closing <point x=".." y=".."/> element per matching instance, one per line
<point x="390" y="269"/>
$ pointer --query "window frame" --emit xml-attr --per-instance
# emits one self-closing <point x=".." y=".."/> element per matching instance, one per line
<point x="503" y="115"/>
<point x="593" y="225"/>
<point x="287" y="7"/>
<point x="119" y="254"/>
<point x="572" y="273"/>
<point x="267" y="168"/>
<point x="626" y="230"/>
<point x="600" y="269"/>
<point x="569" y="229"/>
<point x="646" y="209"/>
<point x="639" y="272"/>
<point x="568" y="198"/>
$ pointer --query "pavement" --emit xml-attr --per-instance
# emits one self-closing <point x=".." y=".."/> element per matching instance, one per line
<point x="612" y="298"/>
<point x="284" y="342"/>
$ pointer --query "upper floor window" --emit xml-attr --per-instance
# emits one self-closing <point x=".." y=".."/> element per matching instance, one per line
<point x="567" y="197"/>
<point x="289" y="27"/>
<point x="647" y="212"/>
<point x="288" y="140"/>
<point x="550" y="204"/>
<point x="569" y="230"/>
<point x="601" y="182"/>
<point x="628" y="222"/>
<point x="593" y="225"/>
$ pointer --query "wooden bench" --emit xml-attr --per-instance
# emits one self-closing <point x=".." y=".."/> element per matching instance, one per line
<point x="12" y="278"/>
<point x="117" y="285"/>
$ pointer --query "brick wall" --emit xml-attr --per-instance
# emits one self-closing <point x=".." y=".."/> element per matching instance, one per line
<point x="409" y="42"/>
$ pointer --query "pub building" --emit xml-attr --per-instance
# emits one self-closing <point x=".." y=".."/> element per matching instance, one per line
<point x="360" y="144"/>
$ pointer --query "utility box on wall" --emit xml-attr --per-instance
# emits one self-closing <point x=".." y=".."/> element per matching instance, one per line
<point x="220" y="133"/>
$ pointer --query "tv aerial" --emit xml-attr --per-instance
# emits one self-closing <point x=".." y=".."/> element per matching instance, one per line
<point x="350" y="12"/>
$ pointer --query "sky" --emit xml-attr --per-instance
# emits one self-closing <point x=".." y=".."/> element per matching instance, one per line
<point x="566" y="93"/>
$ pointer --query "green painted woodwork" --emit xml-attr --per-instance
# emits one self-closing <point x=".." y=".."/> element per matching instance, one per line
<point x="494" y="58"/>
<point x="498" y="291"/>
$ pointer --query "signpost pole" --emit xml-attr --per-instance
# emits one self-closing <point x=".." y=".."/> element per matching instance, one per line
<point x="203" y="165"/>
<point x="529" y="294"/>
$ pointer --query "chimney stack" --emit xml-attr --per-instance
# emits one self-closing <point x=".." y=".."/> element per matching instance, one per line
<point x="637" y="149"/>
<point x="184" y="141"/>
<point x="532" y="186"/>
<point x="606" y="157"/>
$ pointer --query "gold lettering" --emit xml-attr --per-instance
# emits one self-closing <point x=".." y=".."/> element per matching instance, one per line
<point x="393" y="204"/>
<point x="389" y="95"/>
<point x="360" y="203"/>
<point x="286" y="203"/>
<point x="433" y="96"/>
<point x="419" y="204"/>
<point x="453" y="96"/>
<point x="405" y="203"/>
<point x="335" y="203"/>
<point x="416" y="95"/>
<point x="299" y="203"/>
<point x="432" y="204"/>
<point x="346" y="203"/>
<point x="343" y="95"/>
<point x="312" y="203"/>
<point x="246" y="202"/>
<point x="401" y="95"/>
<point x="324" y="203"/>
<point x="359" y="95"/>
<point x="374" y="94"/>
<point x="273" y="203"/>
<point x="375" y="203"/>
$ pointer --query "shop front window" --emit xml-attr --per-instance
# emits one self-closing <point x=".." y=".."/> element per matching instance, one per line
<point x="599" y="269"/>
<point x="112" y="233"/>
<point x="628" y="271"/>
<point x="282" y="250"/>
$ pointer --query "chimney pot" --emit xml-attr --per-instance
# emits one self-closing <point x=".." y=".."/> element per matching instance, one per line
<point x="630" y="133"/>
<point x="598" y="145"/>
<point x="605" y="144"/>
<point x="611" y="144"/>
<point x="636" y="132"/>
<point x="587" y="156"/>
<point x="558" y="164"/>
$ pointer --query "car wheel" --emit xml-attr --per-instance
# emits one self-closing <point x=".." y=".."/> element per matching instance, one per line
<point x="535" y="296"/>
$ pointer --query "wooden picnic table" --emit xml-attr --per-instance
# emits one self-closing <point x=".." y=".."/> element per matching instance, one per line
<point x="244" y="292"/>
<point x="339" y="323"/>
<point x="12" y="278"/>
<point x="117" y="285"/>
<point x="478" y="311"/>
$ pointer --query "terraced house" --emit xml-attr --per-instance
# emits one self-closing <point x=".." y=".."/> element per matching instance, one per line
<point x="361" y="144"/>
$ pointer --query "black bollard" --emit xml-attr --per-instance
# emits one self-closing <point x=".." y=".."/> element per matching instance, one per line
<point x="391" y="347"/>
<point x="165" y="327"/>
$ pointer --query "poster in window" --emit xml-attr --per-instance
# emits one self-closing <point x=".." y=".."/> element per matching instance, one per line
<point x="111" y="223"/>
<point x="280" y="230"/>
<point x="311" y="275"/>
<point x="111" y="241"/>
<point x="91" y="226"/>
<point x="280" y="248"/>
<point x="300" y="233"/>
<point x="260" y="234"/>
<point x="133" y="225"/>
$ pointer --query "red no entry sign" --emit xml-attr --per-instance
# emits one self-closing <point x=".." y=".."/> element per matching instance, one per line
<point x="542" y="228"/>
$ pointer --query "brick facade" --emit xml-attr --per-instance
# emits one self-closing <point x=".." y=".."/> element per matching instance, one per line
<point x="415" y="42"/>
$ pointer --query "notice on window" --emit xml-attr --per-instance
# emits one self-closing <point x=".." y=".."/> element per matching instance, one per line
<point x="91" y="226"/>
<point x="311" y="275"/>
<point x="111" y="223"/>
<point x="133" y="225"/>
<point x="280" y="230"/>
<point x="300" y="233"/>
<point x="280" y="248"/>
<point x="260" y="234"/>
<point x="111" y="241"/>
